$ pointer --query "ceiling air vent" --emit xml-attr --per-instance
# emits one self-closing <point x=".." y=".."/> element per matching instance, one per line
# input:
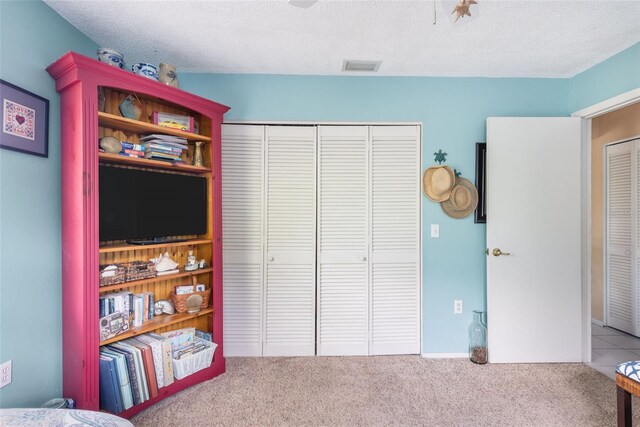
<point x="361" y="66"/>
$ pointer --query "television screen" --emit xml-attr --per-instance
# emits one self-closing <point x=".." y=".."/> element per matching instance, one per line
<point x="137" y="204"/>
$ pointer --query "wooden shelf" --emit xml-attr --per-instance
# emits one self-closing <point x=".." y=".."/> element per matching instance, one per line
<point x="120" y="248"/>
<point x="157" y="323"/>
<point x="136" y="126"/>
<point x="156" y="164"/>
<point x="133" y="283"/>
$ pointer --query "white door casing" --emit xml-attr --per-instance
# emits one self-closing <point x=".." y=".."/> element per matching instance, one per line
<point x="242" y="224"/>
<point x="290" y="237"/>
<point x="395" y="240"/>
<point x="534" y="299"/>
<point x="343" y="253"/>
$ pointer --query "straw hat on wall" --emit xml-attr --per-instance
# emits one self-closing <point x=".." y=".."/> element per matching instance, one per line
<point x="462" y="201"/>
<point x="437" y="182"/>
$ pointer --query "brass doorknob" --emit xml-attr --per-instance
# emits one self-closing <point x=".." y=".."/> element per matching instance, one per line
<point x="498" y="252"/>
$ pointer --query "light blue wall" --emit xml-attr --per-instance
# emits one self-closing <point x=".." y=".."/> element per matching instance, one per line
<point x="31" y="37"/>
<point x="616" y="75"/>
<point x="453" y="111"/>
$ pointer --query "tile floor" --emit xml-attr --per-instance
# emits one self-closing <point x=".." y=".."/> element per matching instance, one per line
<point x="610" y="347"/>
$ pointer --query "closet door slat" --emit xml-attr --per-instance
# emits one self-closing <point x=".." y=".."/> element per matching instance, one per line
<point x="343" y="290"/>
<point x="620" y="292"/>
<point x="242" y="216"/>
<point x="395" y="240"/>
<point x="290" y="202"/>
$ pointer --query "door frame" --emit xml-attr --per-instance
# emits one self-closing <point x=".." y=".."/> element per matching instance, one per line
<point x="587" y="114"/>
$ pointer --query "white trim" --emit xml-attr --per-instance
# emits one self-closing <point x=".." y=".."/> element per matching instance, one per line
<point x="445" y="355"/>
<point x="317" y="123"/>
<point x="585" y="178"/>
<point x="608" y="105"/>
<point x="621" y="141"/>
<point x="597" y="322"/>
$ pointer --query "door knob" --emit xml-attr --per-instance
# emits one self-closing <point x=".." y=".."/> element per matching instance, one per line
<point x="363" y="258"/>
<point x="498" y="252"/>
<point x="271" y="259"/>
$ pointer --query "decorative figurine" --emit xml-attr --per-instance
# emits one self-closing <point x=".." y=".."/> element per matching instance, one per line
<point x="440" y="157"/>
<point x="164" y="264"/>
<point x="131" y="107"/>
<point x="197" y="154"/>
<point x="163" y="306"/>
<point x="167" y="75"/>
<point x="191" y="264"/>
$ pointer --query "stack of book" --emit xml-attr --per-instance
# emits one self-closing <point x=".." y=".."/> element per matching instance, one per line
<point x="137" y="308"/>
<point x="166" y="148"/>
<point x="131" y="150"/>
<point x="133" y="371"/>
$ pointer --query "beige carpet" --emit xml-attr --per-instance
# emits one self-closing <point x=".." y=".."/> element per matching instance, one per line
<point x="391" y="390"/>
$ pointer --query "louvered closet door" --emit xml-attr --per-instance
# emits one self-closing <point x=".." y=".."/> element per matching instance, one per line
<point x="290" y="241"/>
<point x="395" y="240"/>
<point x="343" y="289"/>
<point x="242" y="215"/>
<point x="622" y="295"/>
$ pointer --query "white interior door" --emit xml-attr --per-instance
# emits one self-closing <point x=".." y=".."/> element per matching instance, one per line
<point x="622" y="291"/>
<point x="534" y="299"/>
<point x="343" y="284"/>
<point x="242" y="217"/>
<point x="395" y="240"/>
<point x="290" y="255"/>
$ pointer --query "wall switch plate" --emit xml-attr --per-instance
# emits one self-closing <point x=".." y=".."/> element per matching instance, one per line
<point x="457" y="306"/>
<point x="435" y="231"/>
<point x="5" y="374"/>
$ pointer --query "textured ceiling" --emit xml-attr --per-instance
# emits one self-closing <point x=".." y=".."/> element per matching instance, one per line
<point x="503" y="38"/>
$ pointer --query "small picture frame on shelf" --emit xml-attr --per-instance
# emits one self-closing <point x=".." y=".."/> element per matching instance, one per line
<point x="112" y="325"/>
<point x="173" y="121"/>
<point x="25" y="121"/>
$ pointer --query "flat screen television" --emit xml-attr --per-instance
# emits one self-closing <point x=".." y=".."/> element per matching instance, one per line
<point x="138" y="205"/>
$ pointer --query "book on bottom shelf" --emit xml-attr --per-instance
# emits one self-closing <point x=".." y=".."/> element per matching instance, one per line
<point x="131" y="370"/>
<point x="122" y="375"/>
<point x="138" y="365"/>
<point x="149" y="368"/>
<point x="110" y="397"/>
<point x="134" y="370"/>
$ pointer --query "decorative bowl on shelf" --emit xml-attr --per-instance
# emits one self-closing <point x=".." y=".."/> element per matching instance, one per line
<point x="131" y="107"/>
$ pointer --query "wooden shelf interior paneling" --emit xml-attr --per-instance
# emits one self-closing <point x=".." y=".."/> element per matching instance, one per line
<point x="135" y="126"/>
<point x="159" y="322"/>
<point x="168" y="277"/>
<point x="155" y="246"/>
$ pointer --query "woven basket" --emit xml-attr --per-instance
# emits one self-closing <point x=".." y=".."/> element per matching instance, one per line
<point x="138" y="270"/>
<point x="180" y="301"/>
<point x="118" y="277"/>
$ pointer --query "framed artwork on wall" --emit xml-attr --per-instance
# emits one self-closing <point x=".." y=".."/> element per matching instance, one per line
<point x="25" y="121"/>
<point x="481" y="184"/>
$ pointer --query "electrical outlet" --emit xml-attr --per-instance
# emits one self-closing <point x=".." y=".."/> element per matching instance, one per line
<point x="5" y="374"/>
<point x="435" y="231"/>
<point x="457" y="306"/>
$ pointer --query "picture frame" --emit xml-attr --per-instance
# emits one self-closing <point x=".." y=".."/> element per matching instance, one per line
<point x="481" y="182"/>
<point x="173" y="121"/>
<point x="25" y="120"/>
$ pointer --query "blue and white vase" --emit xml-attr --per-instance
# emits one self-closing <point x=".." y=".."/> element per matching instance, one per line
<point x="111" y="57"/>
<point x="145" y="69"/>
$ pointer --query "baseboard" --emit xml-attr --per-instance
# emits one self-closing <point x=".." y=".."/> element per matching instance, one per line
<point x="445" y="355"/>
<point x="597" y="322"/>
